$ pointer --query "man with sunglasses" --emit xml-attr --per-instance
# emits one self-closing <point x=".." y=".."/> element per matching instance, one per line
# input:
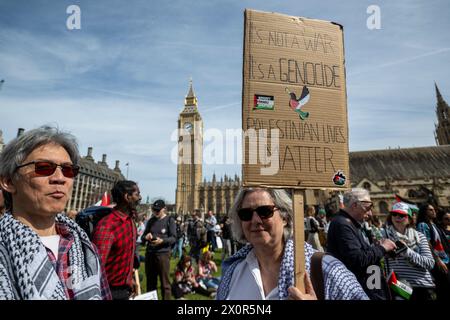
<point x="44" y="255"/>
<point x="346" y="242"/>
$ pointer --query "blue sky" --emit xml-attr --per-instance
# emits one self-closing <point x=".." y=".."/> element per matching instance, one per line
<point x="119" y="83"/>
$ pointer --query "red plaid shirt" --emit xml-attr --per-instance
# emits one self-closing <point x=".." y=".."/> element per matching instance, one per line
<point x="115" y="238"/>
<point x="62" y="264"/>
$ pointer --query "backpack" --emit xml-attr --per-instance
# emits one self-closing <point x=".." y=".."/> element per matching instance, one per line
<point x="88" y="218"/>
<point x="197" y="231"/>
<point x="316" y="274"/>
<point x="313" y="225"/>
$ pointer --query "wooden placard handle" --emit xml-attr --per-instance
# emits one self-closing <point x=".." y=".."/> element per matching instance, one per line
<point x="299" y="238"/>
<point x="138" y="282"/>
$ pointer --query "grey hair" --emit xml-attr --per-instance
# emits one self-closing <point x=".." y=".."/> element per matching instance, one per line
<point x="17" y="150"/>
<point x="281" y="200"/>
<point x="355" y="195"/>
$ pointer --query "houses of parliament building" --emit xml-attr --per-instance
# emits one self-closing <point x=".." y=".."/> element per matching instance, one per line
<point x="415" y="174"/>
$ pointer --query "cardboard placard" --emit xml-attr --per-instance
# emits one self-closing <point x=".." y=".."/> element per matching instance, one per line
<point x="294" y="81"/>
<point x="152" y="295"/>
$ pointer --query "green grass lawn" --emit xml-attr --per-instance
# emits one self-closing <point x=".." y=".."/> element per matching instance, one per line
<point x="173" y="263"/>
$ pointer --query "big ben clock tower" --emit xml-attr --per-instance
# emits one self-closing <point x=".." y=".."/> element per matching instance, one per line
<point x="190" y="155"/>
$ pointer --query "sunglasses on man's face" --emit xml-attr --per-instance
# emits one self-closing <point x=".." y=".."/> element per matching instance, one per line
<point x="47" y="168"/>
<point x="264" y="212"/>
<point x="366" y="205"/>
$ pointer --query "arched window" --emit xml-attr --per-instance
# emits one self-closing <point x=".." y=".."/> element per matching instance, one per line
<point x="384" y="208"/>
<point x="367" y="186"/>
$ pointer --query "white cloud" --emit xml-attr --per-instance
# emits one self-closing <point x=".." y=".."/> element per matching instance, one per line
<point x="41" y="57"/>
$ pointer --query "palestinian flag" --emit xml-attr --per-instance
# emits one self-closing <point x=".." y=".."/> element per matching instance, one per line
<point x="262" y="102"/>
<point x="438" y="246"/>
<point x="414" y="208"/>
<point x="105" y="201"/>
<point x="398" y="287"/>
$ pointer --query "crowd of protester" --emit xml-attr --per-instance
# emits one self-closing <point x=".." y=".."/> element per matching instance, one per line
<point x="351" y="254"/>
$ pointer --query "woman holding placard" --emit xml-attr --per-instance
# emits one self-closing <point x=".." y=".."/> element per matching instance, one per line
<point x="264" y="268"/>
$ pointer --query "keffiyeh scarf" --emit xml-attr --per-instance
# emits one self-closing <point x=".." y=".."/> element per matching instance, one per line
<point x="410" y="238"/>
<point x="27" y="273"/>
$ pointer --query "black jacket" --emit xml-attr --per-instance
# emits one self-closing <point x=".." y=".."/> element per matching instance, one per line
<point x="346" y="243"/>
<point x="164" y="229"/>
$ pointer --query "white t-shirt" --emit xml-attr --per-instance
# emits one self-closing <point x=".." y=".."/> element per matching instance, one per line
<point x="246" y="282"/>
<point x="52" y="243"/>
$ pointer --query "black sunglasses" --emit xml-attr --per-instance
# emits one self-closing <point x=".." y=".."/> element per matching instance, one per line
<point x="264" y="212"/>
<point x="47" y="168"/>
<point x="396" y="214"/>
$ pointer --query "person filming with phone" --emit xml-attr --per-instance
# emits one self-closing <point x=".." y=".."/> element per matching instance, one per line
<point x="412" y="259"/>
<point x="348" y="242"/>
<point x="159" y="235"/>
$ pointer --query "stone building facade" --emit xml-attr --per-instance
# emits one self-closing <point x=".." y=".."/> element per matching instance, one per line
<point x="94" y="179"/>
<point x="415" y="174"/>
<point x="218" y="196"/>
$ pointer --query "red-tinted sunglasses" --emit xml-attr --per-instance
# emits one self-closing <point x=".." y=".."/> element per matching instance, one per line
<point x="264" y="212"/>
<point x="47" y="168"/>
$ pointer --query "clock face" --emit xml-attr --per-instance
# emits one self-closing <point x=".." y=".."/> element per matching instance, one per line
<point x="188" y="126"/>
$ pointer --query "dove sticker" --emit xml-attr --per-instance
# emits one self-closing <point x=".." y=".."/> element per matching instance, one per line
<point x="339" y="178"/>
<point x="297" y="104"/>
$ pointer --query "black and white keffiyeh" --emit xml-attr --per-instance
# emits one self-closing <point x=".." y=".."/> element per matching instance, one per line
<point x="26" y="272"/>
<point x="339" y="282"/>
<point x="410" y="237"/>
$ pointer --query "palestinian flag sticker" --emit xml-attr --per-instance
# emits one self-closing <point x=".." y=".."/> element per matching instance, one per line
<point x="339" y="178"/>
<point x="400" y="288"/>
<point x="263" y="102"/>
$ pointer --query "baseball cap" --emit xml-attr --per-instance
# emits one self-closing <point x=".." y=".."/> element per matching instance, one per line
<point x="158" y="205"/>
<point x="402" y="208"/>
